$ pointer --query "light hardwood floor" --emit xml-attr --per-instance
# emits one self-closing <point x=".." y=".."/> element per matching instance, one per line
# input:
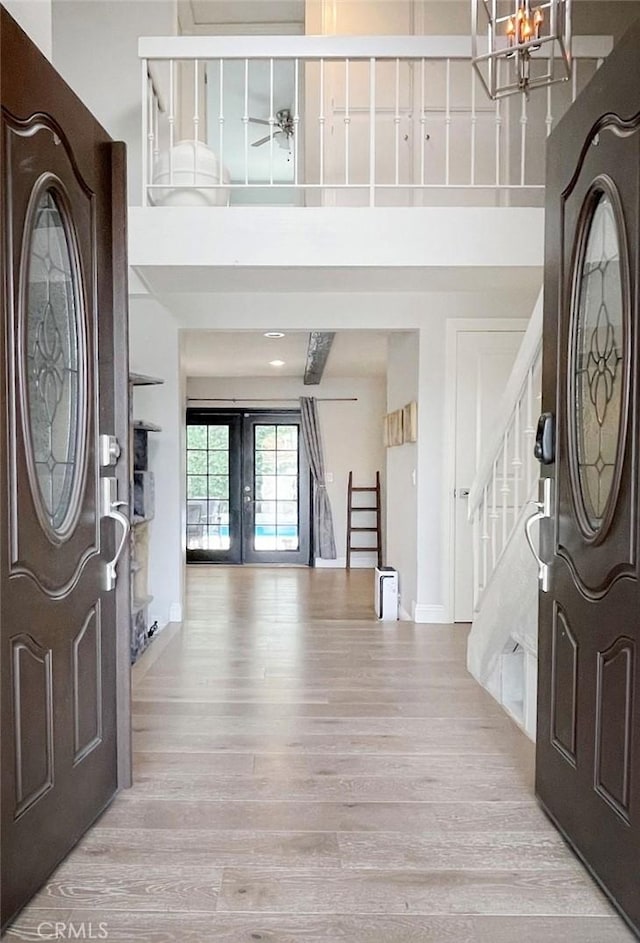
<point x="305" y="774"/>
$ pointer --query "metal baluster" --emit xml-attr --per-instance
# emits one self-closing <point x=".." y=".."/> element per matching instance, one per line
<point x="529" y="431"/>
<point x="272" y="122"/>
<point x="321" y="121"/>
<point x="347" y="121"/>
<point x="505" y="487"/>
<point x="372" y="132"/>
<point x="156" y="127"/>
<point x="245" y="121"/>
<point x="296" y="118"/>
<point x="171" y="116"/>
<point x="494" y="512"/>
<point x="574" y="81"/>
<point x="447" y="138"/>
<point x="549" y="118"/>
<point x="146" y="170"/>
<point x="150" y="124"/>
<point x="221" y="123"/>
<point x="517" y="463"/>
<point x="524" y="119"/>
<point x="423" y="122"/>
<point x="396" y="121"/>
<point x="196" y="121"/>
<point x="498" y="130"/>
<point x="474" y="122"/>
<point x="476" y="557"/>
<point x="485" y="536"/>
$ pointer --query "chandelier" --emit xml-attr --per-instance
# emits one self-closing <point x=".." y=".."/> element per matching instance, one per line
<point x="527" y="46"/>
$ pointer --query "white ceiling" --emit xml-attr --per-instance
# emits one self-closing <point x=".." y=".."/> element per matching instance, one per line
<point x="240" y="12"/>
<point x="247" y="354"/>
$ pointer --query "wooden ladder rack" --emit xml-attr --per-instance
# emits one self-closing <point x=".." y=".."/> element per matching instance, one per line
<point x="372" y="507"/>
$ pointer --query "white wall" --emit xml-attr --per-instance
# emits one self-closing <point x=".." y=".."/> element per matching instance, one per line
<point x="351" y="432"/>
<point x="402" y="469"/>
<point x="95" y="48"/>
<point x="35" y="18"/>
<point x="154" y="350"/>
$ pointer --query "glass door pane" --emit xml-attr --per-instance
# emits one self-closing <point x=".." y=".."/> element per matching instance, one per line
<point x="213" y="466"/>
<point x="276" y="490"/>
<point x="275" y="523"/>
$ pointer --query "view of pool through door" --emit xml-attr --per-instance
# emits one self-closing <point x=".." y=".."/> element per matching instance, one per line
<point x="248" y="488"/>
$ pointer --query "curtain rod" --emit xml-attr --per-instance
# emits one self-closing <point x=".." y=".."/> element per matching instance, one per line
<point x="270" y="399"/>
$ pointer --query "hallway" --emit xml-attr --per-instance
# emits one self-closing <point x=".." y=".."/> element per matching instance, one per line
<point x="305" y="774"/>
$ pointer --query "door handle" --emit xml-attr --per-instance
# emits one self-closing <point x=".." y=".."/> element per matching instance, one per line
<point x="110" y="508"/>
<point x="543" y="512"/>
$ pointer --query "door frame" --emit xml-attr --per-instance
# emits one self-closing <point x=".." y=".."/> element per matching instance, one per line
<point x="122" y="419"/>
<point x="455" y="326"/>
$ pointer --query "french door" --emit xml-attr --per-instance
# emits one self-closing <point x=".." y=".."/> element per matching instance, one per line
<point x="248" y="488"/>
<point x="588" y="746"/>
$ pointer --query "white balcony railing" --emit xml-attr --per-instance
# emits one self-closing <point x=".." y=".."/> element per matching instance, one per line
<point x="345" y="120"/>
<point x="507" y="476"/>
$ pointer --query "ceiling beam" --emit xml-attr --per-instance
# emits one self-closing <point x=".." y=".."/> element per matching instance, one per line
<point x="317" y="354"/>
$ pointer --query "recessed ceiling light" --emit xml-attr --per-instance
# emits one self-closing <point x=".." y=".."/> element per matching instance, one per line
<point x="276" y="363"/>
<point x="274" y="334"/>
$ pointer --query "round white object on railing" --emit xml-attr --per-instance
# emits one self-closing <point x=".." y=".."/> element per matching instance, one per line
<point x="193" y="166"/>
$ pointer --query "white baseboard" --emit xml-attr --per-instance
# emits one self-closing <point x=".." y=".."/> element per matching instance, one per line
<point x="175" y="612"/>
<point x="338" y="564"/>
<point x="361" y="562"/>
<point x="403" y="615"/>
<point x="429" y="614"/>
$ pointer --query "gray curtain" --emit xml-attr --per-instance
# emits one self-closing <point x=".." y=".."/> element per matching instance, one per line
<point x="324" y="544"/>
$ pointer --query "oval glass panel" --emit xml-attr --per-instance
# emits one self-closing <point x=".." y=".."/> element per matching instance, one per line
<point x="52" y="334"/>
<point x="598" y="380"/>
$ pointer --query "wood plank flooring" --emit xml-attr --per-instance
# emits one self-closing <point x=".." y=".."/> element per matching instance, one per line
<point x="305" y="774"/>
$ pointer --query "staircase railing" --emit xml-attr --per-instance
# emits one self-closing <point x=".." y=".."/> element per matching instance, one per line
<point x="341" y="120"/>
<point x="508" y="472"/>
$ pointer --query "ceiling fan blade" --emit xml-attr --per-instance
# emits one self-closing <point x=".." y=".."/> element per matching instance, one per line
<point x="261" y="141"/>
<point x="259" y="120"/>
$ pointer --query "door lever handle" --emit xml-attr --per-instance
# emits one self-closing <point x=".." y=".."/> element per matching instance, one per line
<point x="110" y="508"/>
<point x="543" y="512"/>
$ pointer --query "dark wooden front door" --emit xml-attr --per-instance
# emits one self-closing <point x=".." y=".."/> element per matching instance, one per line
<point x="588" y="751"/>
<point x="62" y="182"/>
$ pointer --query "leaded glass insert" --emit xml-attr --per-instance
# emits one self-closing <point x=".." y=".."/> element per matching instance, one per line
<point x="598" y="382"/>
<point x="53" y="362"/>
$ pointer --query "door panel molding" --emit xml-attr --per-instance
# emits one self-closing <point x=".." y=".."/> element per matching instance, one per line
<point x="585" y="550"/>
<point x="49" y="353"/>
<point x="601" y="185"/>
<point x="614" y="700"/>
<point x="564" y="677"/>
<point x="623" y="127"/>
<point x="33" y="678"/>
<point x="87" y="699"/>
<point x="82" y="538"/>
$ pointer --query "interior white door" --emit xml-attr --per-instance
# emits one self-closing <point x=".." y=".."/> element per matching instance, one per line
<point x="484" y="360"/>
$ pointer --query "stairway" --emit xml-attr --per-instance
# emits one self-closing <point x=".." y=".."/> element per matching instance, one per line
<point x="502" y="646"/>
<point x="371" y="507"/>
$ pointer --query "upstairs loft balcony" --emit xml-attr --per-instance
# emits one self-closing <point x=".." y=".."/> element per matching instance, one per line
<point x="342" y="121"/>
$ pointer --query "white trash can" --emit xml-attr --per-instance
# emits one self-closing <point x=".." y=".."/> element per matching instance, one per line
<point x="386" y="594"/>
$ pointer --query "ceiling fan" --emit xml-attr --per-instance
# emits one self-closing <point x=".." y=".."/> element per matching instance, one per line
<point x="281" y="131"/>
